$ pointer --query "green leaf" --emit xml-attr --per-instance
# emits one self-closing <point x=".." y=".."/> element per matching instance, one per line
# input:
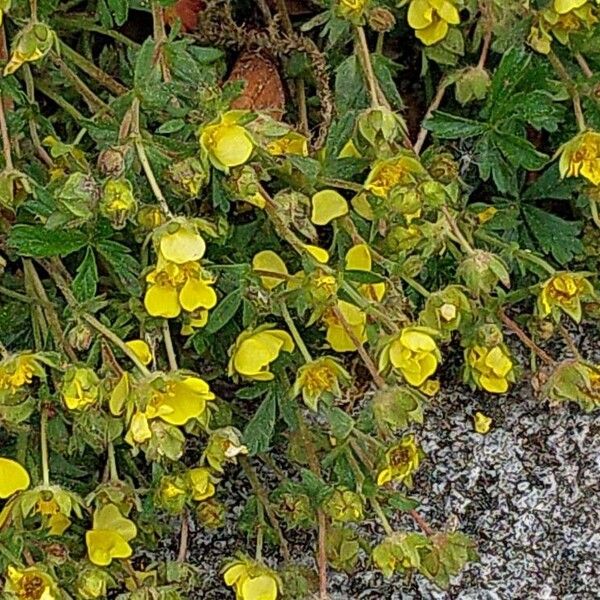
<point x="401" y="502"/>
<point x="550" y="185"/>
<point x="513" y="67"/>
<point x="86" y="280"/>
<point x="39" y="242"/>
<point x="171" y="126"/>
<point x="120" y="10"/>
<point x="448" y="126"/>
<point x="259" y="430"/>
<point x="341" y="423"/>
<point x="363" y="276"/>
<point x="350" y="90"/>
<point x="224" y="311"/>
<point x="384" y="70"/>
<point x="339" y="133"/>
<point x="554" y="235"/>
<point x="124" y="267"/>
<point x="519" y="151"/>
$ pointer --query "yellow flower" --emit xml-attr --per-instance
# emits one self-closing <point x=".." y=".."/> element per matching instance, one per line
<point x="174" y="287"/>
<point x="13" y="477"/>
<point x="118" y="201"/>
<point x="400" y="462"/>
<point x="492" y="368"/>
<point x="201" y="483"/>
<point x="358" y="258"/>
<point x="226" y="143"/>
<point x="33" y="42"/>
<point x="344" y="506"/>
<point x="318" y="377"/>
<point x="564" y="291"/>
<point x="224" y="445"/>
<point x="30" y="584"/>
<point x="269" y="261"/>
<point x="255" y="350"/>
<point x="327" y="205"/>
<point x="386" y="174"/>
<point x="80" y="388"/>
<point x="110" y="536"/>
<point x="179" y="400"/>
<point x="18" y="370"/>
<point x="354" y="320"/>
<point x="581" y="156"/>
<point x="481" y="423"/>
<point x="141" y="349"/>
<point x="291" y="143"/>
<point x="414" y="353"/>
<point x="251" y="581"/>
<point x="179" y="242"/>
<point x="430" y="19"/>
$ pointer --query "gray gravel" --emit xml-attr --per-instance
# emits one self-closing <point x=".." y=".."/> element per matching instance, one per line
<point x="528" y="491"/>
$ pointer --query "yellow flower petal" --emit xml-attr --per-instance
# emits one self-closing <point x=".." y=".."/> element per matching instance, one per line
<point x="184" y="245"/>
<point x="262" y="587"/>
<point x="491" y="383"/>
<point x="234" y="573"/>
<point x="141" y="349"/>
<point x="197" y="293"/>
<point x="253" y="356"/>
<point x="417" y="341"/>
<point x="162" y="301"/>
<point x="433" y="34"/>
<point x="13" y="477"/>
<point x="319" y="254"/>
<point x="360" y="204"/>
<point x="139" y="429"/>
<point x="358" y="258"/>
<point x="104" y="545"/>
<point x="564" y="6"/>
<point x="420" y="14"/>
<point x="326" y="206"/>
<point x="109" y="517"/>
<point x="267" y="260"/>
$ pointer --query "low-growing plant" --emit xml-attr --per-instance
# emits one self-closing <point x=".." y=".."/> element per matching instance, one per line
<point x="263" y="274"/>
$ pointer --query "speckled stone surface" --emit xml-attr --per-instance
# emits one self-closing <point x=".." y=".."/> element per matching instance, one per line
<point x="528" y="491"/>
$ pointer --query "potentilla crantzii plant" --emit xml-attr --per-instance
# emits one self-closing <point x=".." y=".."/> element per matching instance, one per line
<point x="240" y="242"/>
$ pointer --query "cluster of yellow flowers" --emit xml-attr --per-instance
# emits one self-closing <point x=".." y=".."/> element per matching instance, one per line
<point x="178" y="281"/>
<point x="151" y="402"/>
<point x="561" y="19"/>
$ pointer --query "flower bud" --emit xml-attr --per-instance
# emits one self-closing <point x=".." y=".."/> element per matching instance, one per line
<point x="342" y="548"/>
<point x="80" y="337"/>
<point x="381" y="19"/>
<point x="381" y="128"/>
<point x="344" y="506"/>
<point x="150" y="217"/>
<point x="397" y="407"/>
<point x="171" y="494"/>
<point x="80" y="388"/>
<point x="118" y="203"/>
<point x="189" y="176"/>
<point x="79" y="195"/>
<point x="111" y="161"/>
<point x="92" y="583"/>
<point x="33" y="42"/>
<point x="211" y="513"/>
<point x="472" y="84"/>
<point x="441" y="166"/>
<point x="482" y="271"/>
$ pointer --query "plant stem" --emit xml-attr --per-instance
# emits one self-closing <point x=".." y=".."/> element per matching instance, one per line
<point x="313" y="463"/>
<point x="421" y="522"/>
<point x="183" y="537"/>
<point x="141" y="152"/>
<point x="60" y="101"/>
<point x="584" y="65"/>
<point x="384" y="520"/>
<point x="62" y="285"/>
<point x="83" y="23"/>
<point x="5" y="137"/>
<point x="377" y="378"/>
<point x="564" y="76"/>
<point x="416" y="285"/>
<point x="365" y="60"/>
<point x="263" y="498"/>
<point x="92" y="70"/>
<point x="285" y="313"/>
<point x="594" y="212"/>
<point x="112" y="462"/>
<point x="260" y="526"/>
<point x="435" y="104"/>
<point x="33" y="132"/>
<point x="524" y="254"/>
<point x="169" y="346"/>
<point x="44" y="445"/>
<point x="527" y="341"/>
<point x="160" y="37"/>
<point x="458" y="234"/>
